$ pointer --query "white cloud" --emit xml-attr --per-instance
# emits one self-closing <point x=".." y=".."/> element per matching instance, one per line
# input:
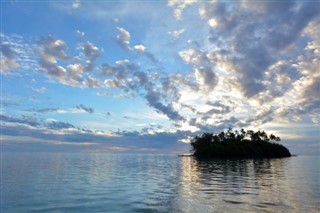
<point x="192" y="56"/>
<point x="16" y="55"/>
<point x="123" y="38"/>
<point x="76" y="4"/>
<point x="176" y="34"/>
<point x="140" y="48"/>
<point x="80" y="34"/>
<point x="179" y="6"/>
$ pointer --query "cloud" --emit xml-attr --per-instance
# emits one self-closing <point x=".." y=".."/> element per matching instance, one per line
<point x="77" y="109"/>
<point x="249" y="64"/>
<point x="154" y="99"/>
<point x="92" y="53"/>
<point x="47" y="110"/>
<point x="176" y="34"/>
<point x="92" y="82"/>
<point x="123" y="38"/>
<point x="179" y="6"/>
<point x="80" y="34"/>
<point x="75" y="71"/>
<point x="28" y="120"/>
<point x="120" y="73"/>
<point x="139" y="48"/>
<point x="86" y="109"/>
<point x="110" y="94"/>
<point x="35" y="122"/>
<point x="206" y="78"/>
<point x="17" y="55"/>
<point x="50" y="51"/>
<point x="89" y="141"/>
<point x="193" y="56"/>
<point x="8" y="58"/>
<point x="76" y="4"/>
<point x="55" y="125"/>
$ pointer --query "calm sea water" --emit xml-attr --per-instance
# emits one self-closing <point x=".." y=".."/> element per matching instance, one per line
<point x="54" y="182"/>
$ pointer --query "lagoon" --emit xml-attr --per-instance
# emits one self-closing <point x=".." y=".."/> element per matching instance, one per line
<point x="101" y="182"/>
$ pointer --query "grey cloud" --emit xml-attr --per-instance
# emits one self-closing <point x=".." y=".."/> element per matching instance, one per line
<point x="8" y="58"/>
<point x="87" y="109"/>
<point x="133" y="141"/>
<point x="8" y="103"/>
<point x="257" y="34"/>
<point x="206" y="77"/>
<point x="204" y="69"/>
<point x="217" y="108"/>
<point x="262" y="117"/>
<point x="59" y="125"/>
<point x="293" y="17"/>
<point x="154" y="99"/>
<point x="28" y="120"/>
<point x="51" y="50"/>
<point x="35" y="122"/>
<point x="159" y="91"/>
<point x="46" y="110"/>
<point x="92" y="53"/>
<point x="7" y="51"/>
<point x="92" y="82"/>
<point x="120" y="73"/>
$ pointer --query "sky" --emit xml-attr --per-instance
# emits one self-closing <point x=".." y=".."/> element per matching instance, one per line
<point x="146" y="76"/>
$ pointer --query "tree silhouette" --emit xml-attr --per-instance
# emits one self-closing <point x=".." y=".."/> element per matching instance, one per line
<point x="238" y="144"/>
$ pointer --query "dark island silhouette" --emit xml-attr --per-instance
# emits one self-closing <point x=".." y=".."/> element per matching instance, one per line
<point x="238" y="144"/>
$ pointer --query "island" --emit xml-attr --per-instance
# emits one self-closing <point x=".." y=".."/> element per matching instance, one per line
<point x="238" y="144"/>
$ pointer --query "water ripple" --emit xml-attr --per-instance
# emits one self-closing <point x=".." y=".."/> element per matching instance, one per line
<point x="34" y="182"/>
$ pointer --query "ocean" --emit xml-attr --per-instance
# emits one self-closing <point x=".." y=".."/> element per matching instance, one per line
<point x="101" y="182"/>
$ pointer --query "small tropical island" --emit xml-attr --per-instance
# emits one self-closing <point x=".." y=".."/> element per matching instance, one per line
<point x="238" y="144"/>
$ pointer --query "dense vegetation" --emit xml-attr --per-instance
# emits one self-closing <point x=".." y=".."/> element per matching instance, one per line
<point x="238" y="144"/>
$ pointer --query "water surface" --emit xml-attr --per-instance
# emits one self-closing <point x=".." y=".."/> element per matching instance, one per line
<point x="64" y="182"/>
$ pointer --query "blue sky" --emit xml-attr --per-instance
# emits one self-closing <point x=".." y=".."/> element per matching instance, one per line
<point x="143" y="76"/>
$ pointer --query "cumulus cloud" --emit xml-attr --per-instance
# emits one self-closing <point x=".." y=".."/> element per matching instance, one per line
<point x="139" y="48"/>
<point x="206" y="78"/>
<point x="120" y="73"/>
<point x="92" y="53"/>
<point x="255" y="62"/>
<point x="123" y="38"/>
<point x="52" y="53"/>
<point x="128" y="77"/>
<point x="179" y="6"/>
<point x="193" y="56"/>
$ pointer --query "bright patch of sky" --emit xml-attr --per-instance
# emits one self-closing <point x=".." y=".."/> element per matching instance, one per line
<point x="147" y="75"/>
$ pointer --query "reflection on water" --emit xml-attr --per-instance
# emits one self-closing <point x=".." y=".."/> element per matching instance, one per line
<point x="34" y="182"/>
<point x="255" y="185"/>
